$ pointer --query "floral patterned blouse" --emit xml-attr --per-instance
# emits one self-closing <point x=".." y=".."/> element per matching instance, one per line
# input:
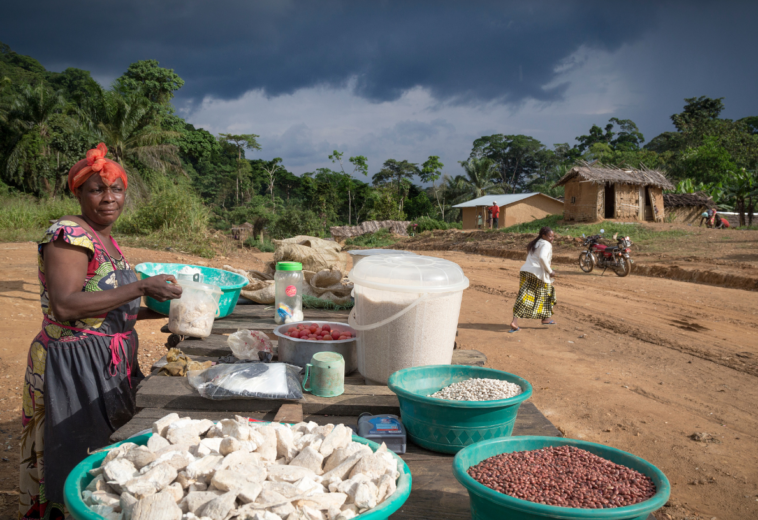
<point x="100" y="274"/>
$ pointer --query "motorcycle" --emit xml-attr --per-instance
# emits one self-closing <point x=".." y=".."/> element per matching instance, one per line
<point x="599" y="255"/>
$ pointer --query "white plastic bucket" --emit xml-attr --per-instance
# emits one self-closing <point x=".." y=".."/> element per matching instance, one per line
<point x="406" y="312"/>
<point x="360" y="254"/>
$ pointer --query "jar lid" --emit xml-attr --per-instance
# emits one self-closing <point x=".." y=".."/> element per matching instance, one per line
<point x="409" y="273"/>
<point x="289" y="266"/>
<point x="374" y="252"/>
<point x="198" y="286"/>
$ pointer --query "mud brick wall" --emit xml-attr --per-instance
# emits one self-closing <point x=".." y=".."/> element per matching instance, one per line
<point x="583" y="201"/>
<point x="685" y="214"/>
<point x="656" y="199"/>
<point x="530" y="209"/>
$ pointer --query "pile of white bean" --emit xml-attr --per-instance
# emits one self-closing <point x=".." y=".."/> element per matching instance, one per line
<point x="478" y="390"/>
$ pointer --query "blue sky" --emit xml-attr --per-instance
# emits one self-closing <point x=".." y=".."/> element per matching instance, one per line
<point x="410" y="79"/>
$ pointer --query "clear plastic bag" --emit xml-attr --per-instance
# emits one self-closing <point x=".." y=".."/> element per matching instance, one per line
<point x="248" y="380"/>
<point x="246" y="344"/>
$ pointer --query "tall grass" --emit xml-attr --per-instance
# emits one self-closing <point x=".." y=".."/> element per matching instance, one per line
<point x="24" y="218"/>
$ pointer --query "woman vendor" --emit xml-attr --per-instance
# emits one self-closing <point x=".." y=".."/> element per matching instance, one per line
<point x="82" y="368"/>
<point x="536" y="294"/>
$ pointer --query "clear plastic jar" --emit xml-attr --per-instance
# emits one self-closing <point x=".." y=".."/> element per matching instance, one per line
<point x="288" y="299"/>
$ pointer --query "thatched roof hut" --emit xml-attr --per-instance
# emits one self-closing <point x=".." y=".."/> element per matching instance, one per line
<point x="686" y="207"/>
<point x="596" y="192"/>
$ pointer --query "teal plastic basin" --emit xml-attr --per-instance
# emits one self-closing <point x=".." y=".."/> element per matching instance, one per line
<point x="448" y="426"/>
<point x="79" y="478"/>
<point x="488" y="504"/>
<point x="230" y="283"/>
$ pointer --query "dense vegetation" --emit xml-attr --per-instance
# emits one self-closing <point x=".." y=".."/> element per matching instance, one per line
<point x="185" y="181"/>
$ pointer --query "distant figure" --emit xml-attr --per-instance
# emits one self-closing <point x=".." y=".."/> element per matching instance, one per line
<point x="495" y="209"/>
<point x="489" y="218"/>
<point x="713" y="220"/>
<point x="479" y="221"/>
<point x="536" y="294"/>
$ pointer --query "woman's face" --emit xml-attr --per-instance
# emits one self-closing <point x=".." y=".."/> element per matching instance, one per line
<point x="549" y="237"/>
<point x="100" y="203"/>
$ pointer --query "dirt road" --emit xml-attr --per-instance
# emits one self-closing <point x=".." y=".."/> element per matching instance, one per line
<point x="637" y="363"/>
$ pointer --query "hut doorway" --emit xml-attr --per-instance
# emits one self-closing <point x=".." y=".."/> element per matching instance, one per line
<point x="610" y="200"/>
<point x="648" y="205"/>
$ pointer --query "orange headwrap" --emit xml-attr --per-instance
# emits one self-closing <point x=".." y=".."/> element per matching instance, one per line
<point x="95" y="163"/>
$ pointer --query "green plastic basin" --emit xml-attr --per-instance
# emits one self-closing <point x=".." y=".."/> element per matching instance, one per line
<point x="448" y="426"/>
<point x="230" y="283"/>
<point x="79" y="478"/>
<point x="488" y="504"/>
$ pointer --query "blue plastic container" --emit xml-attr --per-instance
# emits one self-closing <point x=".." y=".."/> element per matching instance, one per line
<point x="230" y="283"/>
<point x="448" y="426"/>
<point x="79" y="478"/>
<point x="488" y="504"/>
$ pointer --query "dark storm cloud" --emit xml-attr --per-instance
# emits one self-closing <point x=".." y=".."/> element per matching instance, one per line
<point x="461" y="51"/>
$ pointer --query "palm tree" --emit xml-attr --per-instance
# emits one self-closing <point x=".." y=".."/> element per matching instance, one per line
<point x="478" y="180"/>
<point x="122" y="122"/>
<point x="29" y="116"/>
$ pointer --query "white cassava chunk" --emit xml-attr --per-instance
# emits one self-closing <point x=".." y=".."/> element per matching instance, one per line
<point x="324" y="430"/>
<point x="99" y="484"/>
<point x="263" y="515"/>
<point x="197" y="499"/>
<point x="205" y="466"/>
<point x="156" y="442"/>
<point x="267" y="447"/>
<point x="305" y="427"/>
<point x="183" y="435"/>
<point x="176" y="459"/>
<point x="104" y="498"/>
<point x="118" y="472"/>
<point x="285" y="489"/>
<point x="229" y="445"/>
<point x="341" y="454"/>
<point x="118" y="452"/>
<point x="322" y="501"/>
<point x="275" y="503"/>
<point x="157" y="507"/>
<point x="215" y="431"/>
<point x="227" y="480"/>
<point x="281" y="473"/>
<point x="365" y="496"/>
<point x="106" y="512"/>
<point x="232" y="428"/>
<point x="285" y="444"/>
<point x="248" y="464"/>
<point x="151" y="482"/>
<point x="309" y="458"/>
<point x="161" y="425"/>
<point x="374" y="466"/>
<point x="346" y="514"/>
<point x="127" y="503"/>
<point x="184" y="480"/>
<point x="248" y="492"/>
<point x="140" y="456"/>
<point x="344" y="467"/>
<point x="387" y="486"/>
<point x="197" y="486"/>
<point x="307" y="486"/>
<point x="249" y="446"/>
<point x="219" y="507"/>
<point x="175" y="490"/>
<point x="332" y="513"/>
<point x="208" y="446"/>
<point x="337" y="438"/>
<point x="349" y="487"/>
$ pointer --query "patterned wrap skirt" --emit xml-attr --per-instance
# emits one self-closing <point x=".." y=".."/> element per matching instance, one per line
<point x="535" y="298"/>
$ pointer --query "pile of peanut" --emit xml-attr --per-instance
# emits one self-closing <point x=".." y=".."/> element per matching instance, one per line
<point x="563" y="476"/>
<point x="477" y="389"/>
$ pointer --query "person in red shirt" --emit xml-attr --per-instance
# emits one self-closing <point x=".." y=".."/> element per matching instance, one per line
<point x="495" y="210"/>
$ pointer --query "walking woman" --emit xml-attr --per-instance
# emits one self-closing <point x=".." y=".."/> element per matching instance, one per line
<point x="82" y="368"/>
<point x="536" y="294"/>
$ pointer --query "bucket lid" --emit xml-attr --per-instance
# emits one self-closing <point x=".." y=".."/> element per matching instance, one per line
<point x="409" y="273"/>
<point x="197" y="286"/>
<point x="374" y="252"/>
<point x="289" y="266"/>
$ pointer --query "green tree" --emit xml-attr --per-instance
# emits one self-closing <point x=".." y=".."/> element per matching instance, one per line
<point x="157" y="83"/>
<point x="431" y="171"/>
<point x="271" y="168"/>
<point x="517" y="158"/>
<point x="696" y="112"/>
<point x="742" y="186"/>
<point x="397" y="173"/>
<point x="241" y="142"/>
<point x="360" y="165"/>
<point x="478" y="180"/>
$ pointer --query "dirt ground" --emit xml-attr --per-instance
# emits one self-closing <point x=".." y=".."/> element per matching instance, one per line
<point x="638" y="363"/>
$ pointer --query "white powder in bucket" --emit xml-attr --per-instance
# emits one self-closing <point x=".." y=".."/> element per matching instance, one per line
<point x="425" y="335"/>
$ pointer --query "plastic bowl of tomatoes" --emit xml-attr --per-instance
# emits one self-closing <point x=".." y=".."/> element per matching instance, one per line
<point x="299" y="341"/>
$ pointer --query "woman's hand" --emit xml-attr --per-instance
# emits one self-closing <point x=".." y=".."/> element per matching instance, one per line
<point x="157" y="288"/>
<point x="552" y="275"/>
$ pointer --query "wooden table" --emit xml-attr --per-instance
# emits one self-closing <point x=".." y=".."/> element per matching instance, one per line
<point x="435" y="492"/>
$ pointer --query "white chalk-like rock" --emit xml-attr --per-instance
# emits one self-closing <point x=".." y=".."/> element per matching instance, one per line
<point x="118" y="472"/>
<point x="156" y="443"/>
<point x="205" y="466"/>
<point x="248" y="492"/>
<point x="208" y="446"/>
<point x="337" y="438"/>
<point x="157" y="507"/>
<point x="232" y="428"/>
<point x="175" y="490"/>
<point x="365" y="496"/>
<point x="140" y="456"/>
<point x="219" y="507"/>
<point x="151" y="482"/>
<point x="322" y="501"/>
<point x="324" y="430"/>
<point x="177" y="459"/>
<point x="267" y="446"/>
<point x="275" y="503"/>
<point x="281" y="473"/>
<point x="387" y="486"/>
<point x="343" y="469"/>
<point x="99" y="484"/>
<point x="161" y="425"/>
<point x="285" y="444"/>
<point x="229" y="445"/>
<point x="127" y="503"/>
<point x="227" y="480"/>
<point x="104" y="498"/>
<point x="309" y="458"/>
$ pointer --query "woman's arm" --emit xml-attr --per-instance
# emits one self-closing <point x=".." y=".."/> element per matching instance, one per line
<point x="544" y="257"/>
<point x="65" y="272"/>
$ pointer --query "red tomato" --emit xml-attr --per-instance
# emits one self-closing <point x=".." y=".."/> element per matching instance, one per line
<point x="304" y="334"/>
<point x="326" y="328"/>
<point x="344" y="337"/>
<point x="328" y="338"/>
<point x="291" y="330"/>
<point x="313" y="327"/>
